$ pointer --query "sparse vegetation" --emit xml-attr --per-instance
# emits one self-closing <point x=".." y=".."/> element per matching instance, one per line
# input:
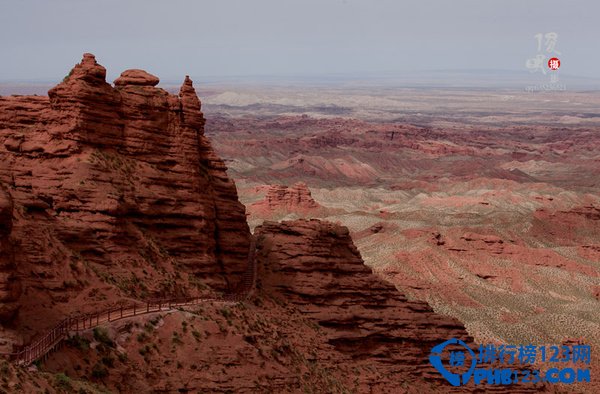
<point x="197" y="335"/>
<point x="78" y="342"/>
<point x="176" y="339"/>
<point x="4" y="368"/>
<point x="99" y="371"/>
<point x="66" y="77"/>
<point x="155" y="320"/>
<point x="63" y="382"/>
<point x="227" y="314"/>
<point x="101" y="335"/>
<point x="123" y="357"/>
<point x="108" y="360"/>
<point x="145" y="351"/>
<point x="142" y="337"/>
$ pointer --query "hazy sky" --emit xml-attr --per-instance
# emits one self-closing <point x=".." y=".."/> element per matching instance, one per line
<point x="42" y="39"/>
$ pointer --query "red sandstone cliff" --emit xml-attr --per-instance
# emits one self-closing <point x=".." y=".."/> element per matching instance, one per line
<point x="315" y="266"/>
<point x="9" y="286"/>
<point x="116" y="192"/>
<point x="288" y="198"/>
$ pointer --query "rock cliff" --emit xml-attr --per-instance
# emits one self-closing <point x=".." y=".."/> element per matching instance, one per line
<point x="116" y="192"/>
<point x="288" y="198"/>
<point x="315" y="266"/>
<point x="9" y="285"/>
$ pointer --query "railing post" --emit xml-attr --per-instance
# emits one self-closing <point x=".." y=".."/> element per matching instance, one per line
<point x="121" y="310"/>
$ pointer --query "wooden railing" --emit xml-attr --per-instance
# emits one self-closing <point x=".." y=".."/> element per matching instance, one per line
<point x="73" y="324"/>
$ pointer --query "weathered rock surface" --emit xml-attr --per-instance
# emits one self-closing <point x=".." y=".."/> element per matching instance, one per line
<point x="289" y="198"/>
<point x="315" y="266"/>
<point x="9" y="285"/>
<point x="319" y="321"/>
<point x="116" y="192"/>
<point x="136" y="77"/>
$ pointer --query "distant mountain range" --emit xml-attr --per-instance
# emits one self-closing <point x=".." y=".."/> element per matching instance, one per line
<point x="476" y="78"/>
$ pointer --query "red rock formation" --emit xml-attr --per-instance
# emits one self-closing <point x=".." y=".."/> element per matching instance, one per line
<point x="136" y="77"/>
<point x="315" y="266"/>
<point x="117" y="191"/>
<point x="9" y="285"/>
<point x="288" y="198"/>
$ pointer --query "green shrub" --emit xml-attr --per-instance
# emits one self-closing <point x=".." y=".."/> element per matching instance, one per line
<point x="197" y="335"/>
<point x="109" y="361"/>
<point x="101" y="335"/>
<point x="99" y="371"/>
<point x="176" y="339"/>
<point x="63" y="381"/>
<point x="145" y="350"/>
<point x="142" y="337"/>
<point x="4" y="368"/>
<point x="78" y="342"/>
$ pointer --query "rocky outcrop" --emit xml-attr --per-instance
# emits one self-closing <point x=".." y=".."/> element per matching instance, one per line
<point x="136" y="77"/>
<point x="316" y="266"/>
<point x="289" y="198"/>
<point x="116" y="192"/>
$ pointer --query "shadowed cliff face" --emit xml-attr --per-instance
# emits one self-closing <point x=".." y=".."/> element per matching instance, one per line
<point x="314" y="266"/>
<point x="116" y="192"/>
<point x="9" y="286"/>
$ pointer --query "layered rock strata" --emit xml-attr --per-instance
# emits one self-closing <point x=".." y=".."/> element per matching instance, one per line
<point x="113" y="187"/>
<point x="289" y="198"/>
<point x="316" y="266"/>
